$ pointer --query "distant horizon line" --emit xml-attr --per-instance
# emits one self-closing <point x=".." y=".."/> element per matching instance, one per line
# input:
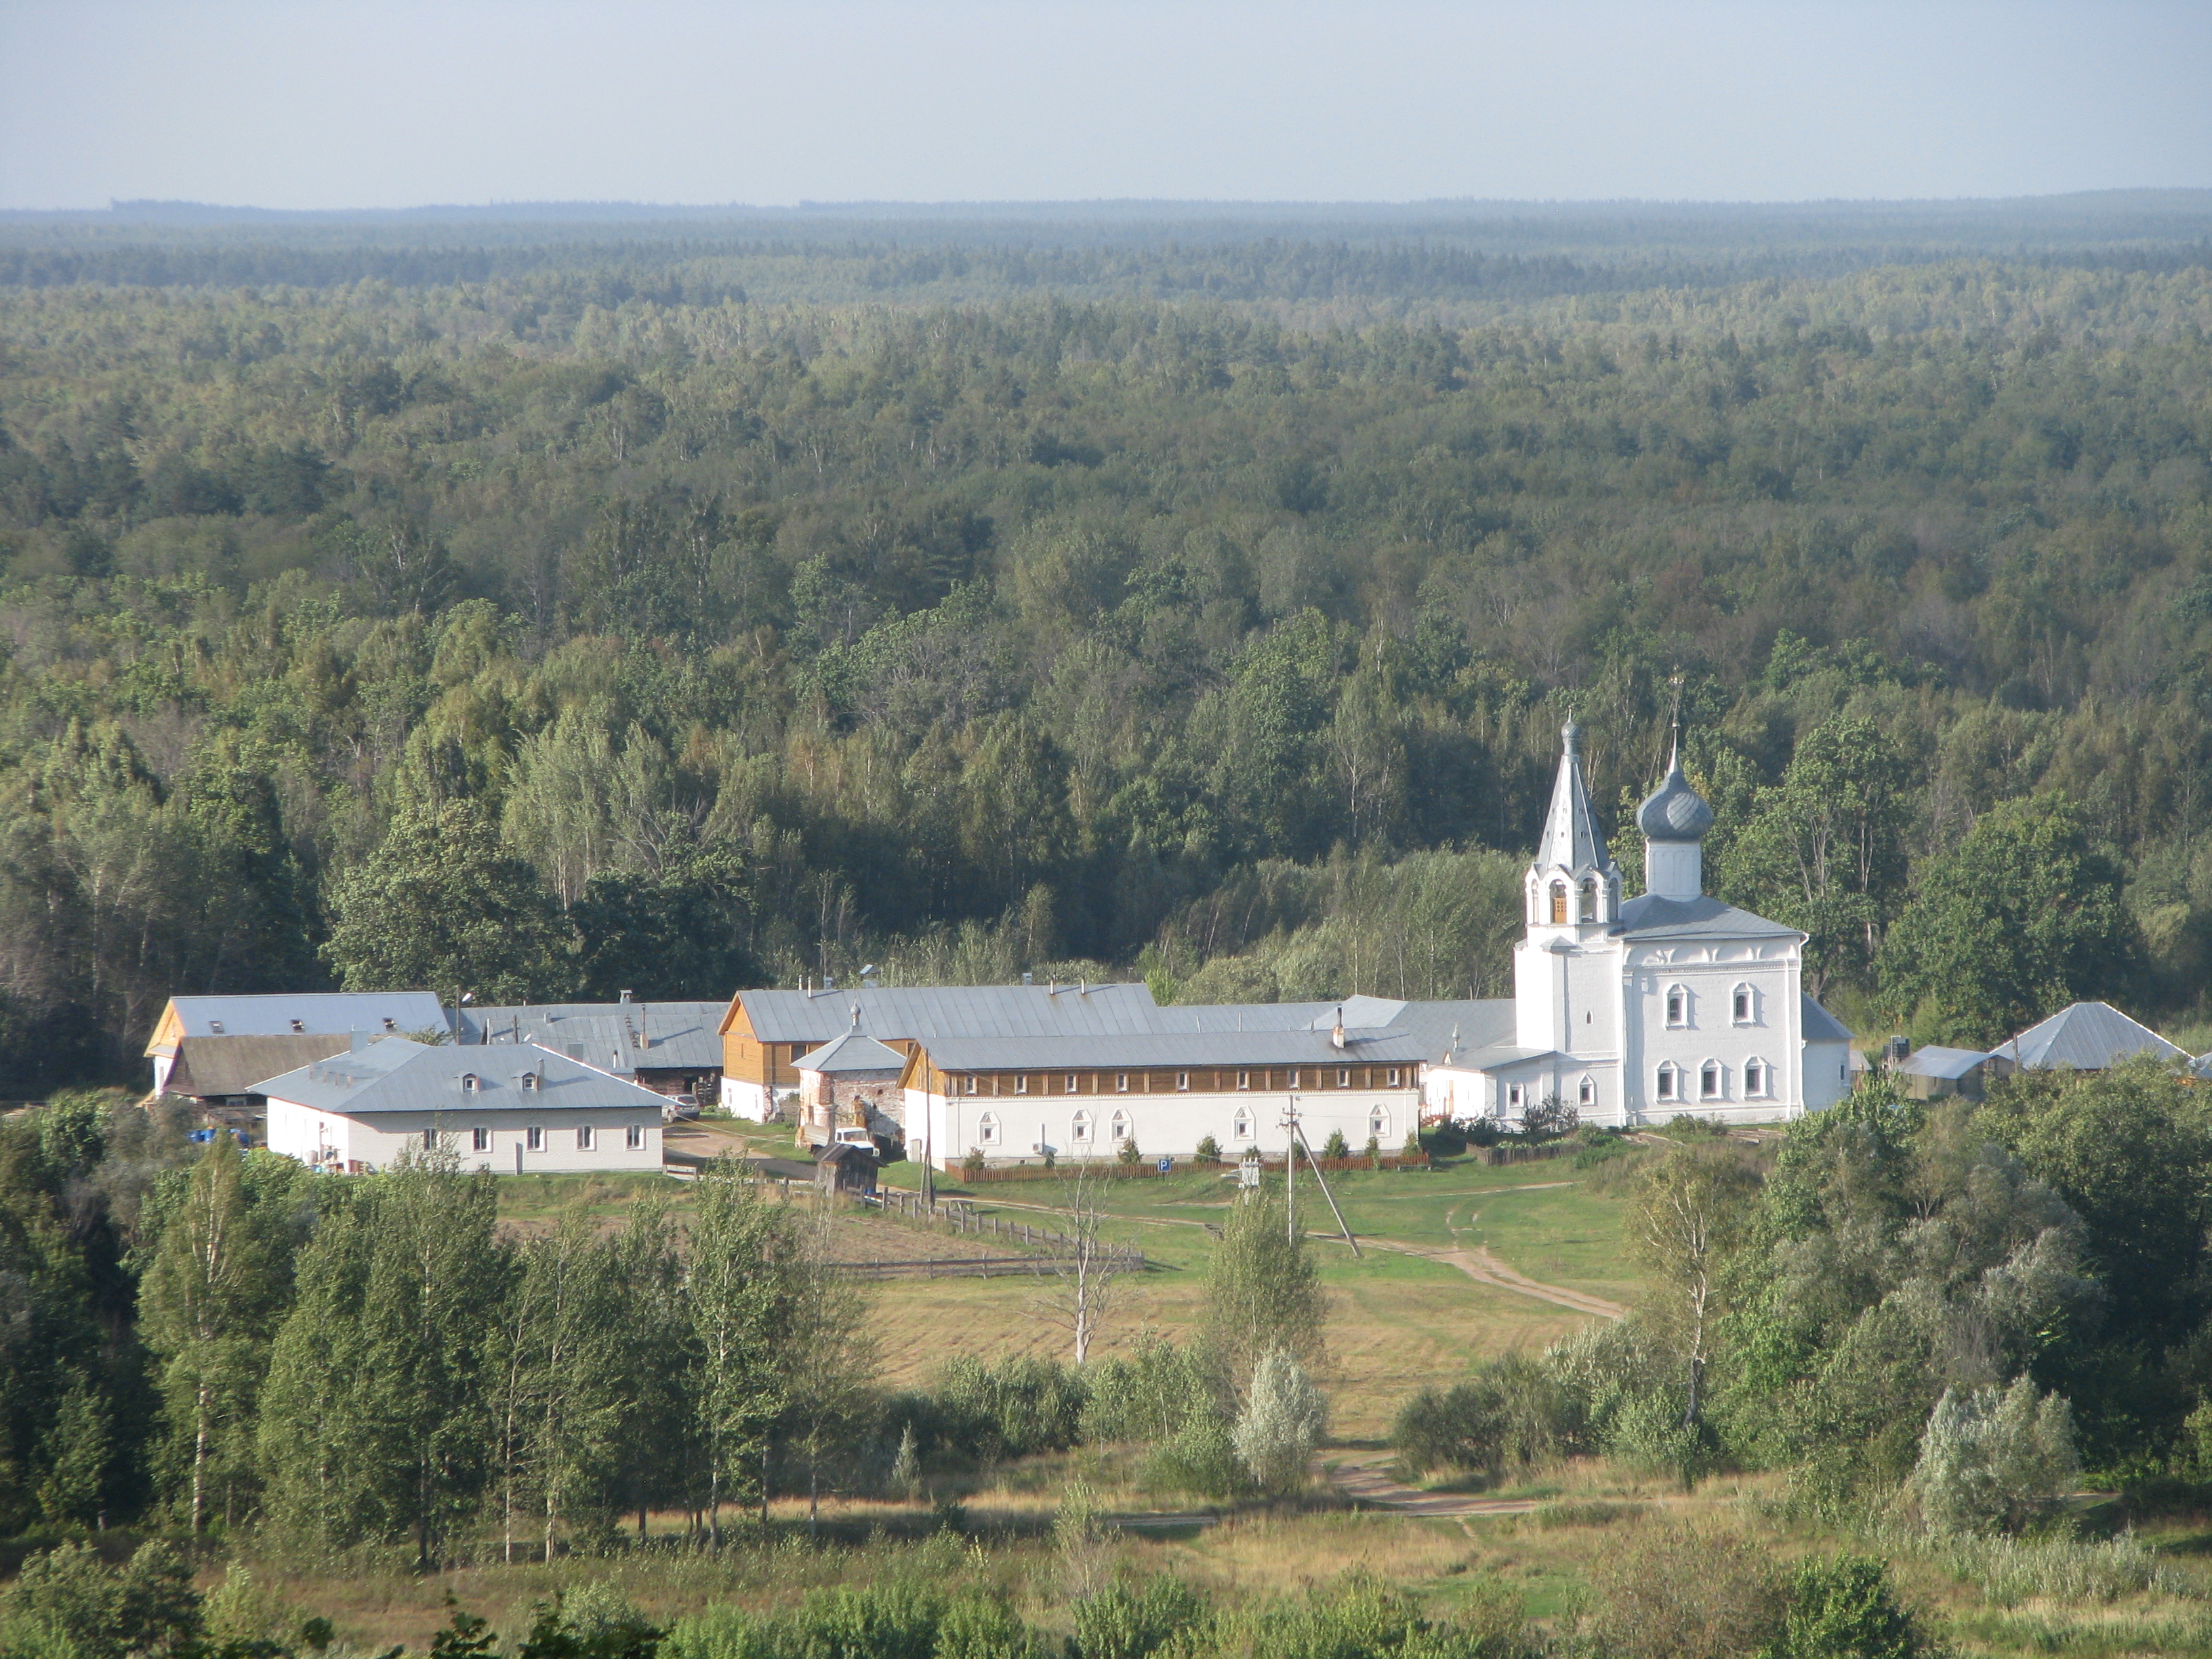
<point x="177" y="208"/>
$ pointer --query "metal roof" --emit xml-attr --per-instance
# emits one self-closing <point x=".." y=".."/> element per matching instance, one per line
<point x="1817" y="1024"/>
<point x="851" y="1053"/>
<point x="2088" y="1036"/>
<point x="1650" y="916"/>
<point x="1139" y="1049"/>
<point x="616" y="1037"/>
<point x="397" y="1075"/>
<point x="320" y="1013"/>
<point x="1570" y="840"/>
<point x="1948" y="1064"/>
<point x="921" y="1012"/>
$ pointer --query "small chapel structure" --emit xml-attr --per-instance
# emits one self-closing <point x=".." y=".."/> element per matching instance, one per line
<point x="1636" y="1011"/>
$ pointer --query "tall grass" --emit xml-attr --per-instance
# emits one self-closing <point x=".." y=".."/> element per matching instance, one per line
<point x="2011" y="1570"/>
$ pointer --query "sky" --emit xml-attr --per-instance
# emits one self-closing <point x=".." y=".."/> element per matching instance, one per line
<point x="339" y="103"/>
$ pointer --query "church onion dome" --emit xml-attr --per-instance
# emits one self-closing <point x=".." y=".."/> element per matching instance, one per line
<point x="1675" y="811"/>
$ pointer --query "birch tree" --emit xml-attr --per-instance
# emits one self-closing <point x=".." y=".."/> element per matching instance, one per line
<point x="1078" y="1293"/>
<point x="747" y="1284"/>
<point x="1692" y="1209"/>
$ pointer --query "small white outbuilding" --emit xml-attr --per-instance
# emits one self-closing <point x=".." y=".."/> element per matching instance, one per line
<point x="513" y="1108"/>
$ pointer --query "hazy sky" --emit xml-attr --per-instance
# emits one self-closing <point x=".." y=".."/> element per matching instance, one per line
<point x="336" y="103"/>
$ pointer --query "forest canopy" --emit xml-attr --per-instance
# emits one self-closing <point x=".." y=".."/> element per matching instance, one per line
<point x="1209" y="609"/>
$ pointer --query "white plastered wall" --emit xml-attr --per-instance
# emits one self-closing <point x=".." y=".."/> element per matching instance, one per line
<point x="1709" y="974"/>
<point x="376" y="1140"/>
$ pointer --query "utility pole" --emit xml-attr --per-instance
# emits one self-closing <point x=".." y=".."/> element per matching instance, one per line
<point x="1291" y="1171"/>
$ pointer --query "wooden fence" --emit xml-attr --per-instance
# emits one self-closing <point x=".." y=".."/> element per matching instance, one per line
<point x="1149" y="1168"/>
<point x="962" y="1219"/>
<point x="980" y="1266"/>
<point x="1526" y="1154"/>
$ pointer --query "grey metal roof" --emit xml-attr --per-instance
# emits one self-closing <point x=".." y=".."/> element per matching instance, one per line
<point x="396" y="1075"/>
<point x="320" y="1013"/>
<point x="1817" y="1024"/>
<point x="616" y="1037"/>
<point x="851" y="1053"/>
<point x="1650" y="916"/>
<point x="2088" y="1036"/>
<point x="1571" y="839"/>
<point x="1948" y="1064"/>
<point x="921" y="1012"/>
<point x="1141" y="1050"/>
<point x="1675" y="811"/>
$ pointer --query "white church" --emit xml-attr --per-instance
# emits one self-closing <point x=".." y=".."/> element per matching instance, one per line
<point x="1637" y="1011"/>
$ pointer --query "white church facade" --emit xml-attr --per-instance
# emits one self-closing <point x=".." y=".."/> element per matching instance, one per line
<point x="1637" y="1011"/>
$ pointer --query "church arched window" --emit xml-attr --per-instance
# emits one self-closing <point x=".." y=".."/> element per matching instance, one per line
<point x="1758" y="1079"/>
<point x="1586" y="1095"/>
<point x="1559" y="901"/>
<point x="1670" y="1081"/>
<point x="1744" y="1004"/>
<point x="1589" y="902"/>
<point x="1711" y="1081"/>
<point x="1677" y="1006"/>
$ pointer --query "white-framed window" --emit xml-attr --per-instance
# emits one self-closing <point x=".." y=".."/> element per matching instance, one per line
<point x="1121" y="1083"/>
<point x="1712" y="1080"/>
<point x="1243" y="1079"/>
<point x="1241" y="1129"/>
<point x="1670" y="1081"/>
<point x="1378" y="1125"/>
<point x="1586" y="1092"/>
<point x="533" y="1138"/>
<point x="1677" y="1006"/>
<point x="1022" y="1083"/>
<point x="987" y="1129"/>
<point x="1294" y="1080"/>
<point x="1757" y="1079"/>
<point x="633" y="1137"/>
<point x="430" y="1140"/>
<point x="1743" y="1006"/>
<point x="1343" y="1077"/>
<point x="585" y="1139"/>
<point x="468" y="1083"/>
<point x="974" y="1084"/>
<point x="1393" y="1076"/>
<point x="1183" y="1082"/>
<point x="1120" y="1126"/>
<point x="1080" y="1130"/>
<point x="530" y="1083"/>
<point x="1515" y="1096"/>
<point x="1069" y="1088"/>
<point x="480" y="1140"/>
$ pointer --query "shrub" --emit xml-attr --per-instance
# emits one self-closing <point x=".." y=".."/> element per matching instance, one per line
<point x="1511" y="1412"/>
<point x="1373" y="1151"/>
<point x="70" y="1602"/>
<point x="1282" y="1421"/>
<point x="1150" y="1394"/>
<point x="1846" y="1608"/>
<point x="973" y="1166"/>
<point x="1548" y="1119"/>
<point x="1019" y="1405"/>
<point x="1336" y="1145"/>
<point x="1993" y="1461"/>
<point x="1669" y="1592"/>
<point x="1129" y="1152"/>
<point x="1119" y="1623"/>
<point x="1200" y="1458"/>
<point x="1210" y="1149"/>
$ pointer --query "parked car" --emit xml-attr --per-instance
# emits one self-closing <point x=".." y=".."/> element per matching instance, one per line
<point x="686" y="1107"/>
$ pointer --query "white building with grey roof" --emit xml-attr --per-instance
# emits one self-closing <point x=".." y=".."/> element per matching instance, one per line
<point x="513" y="1108"/>
<point x="1638" y="1009"/>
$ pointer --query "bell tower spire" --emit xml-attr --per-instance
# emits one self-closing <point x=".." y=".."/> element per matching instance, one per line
<point x="1573" y="881"/>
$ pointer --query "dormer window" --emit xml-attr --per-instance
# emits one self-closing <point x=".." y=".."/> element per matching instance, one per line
<point x="390" y="1023"/>
<point x="530" y="1083"/>
<point x="215" y="1027"/>
<point x="299" y="1026"/>
<point x="468" y="1083"/>
<point x="1677" y="1007"/>
<point x="1743" y="1005"/>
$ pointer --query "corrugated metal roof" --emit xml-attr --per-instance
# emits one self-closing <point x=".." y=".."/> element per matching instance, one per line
<point x="2088" y="1036"/>
<point x="1649" y="916"/>
<point x="920" y="1013"/>
<point x="320" y="1013"/>
<point x="680" y="1036"/>
<point x="851" y="1053"/>
<point x="1817" y="1024"/>
<point x="1949" y="1064"/>
<point x="1138" y="1050"/>
<point x="396" y="1075"/>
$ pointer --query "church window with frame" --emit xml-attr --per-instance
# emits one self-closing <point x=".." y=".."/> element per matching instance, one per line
<point x="1379" y="1126"/>
<point x="1670" y="1081"/>
<point x="1757" y="1078"/>
<point x="1586" y="1092"/>
<point x="1744" y="1004"/>
<point x="1712" y="1080"/>
<point x="1121" y="1125"/>
<point x="1241" y="1129"/>
<point x="1516" y="1097"/>
<point x="1558" y="901"/>
<point x="1677" y="1007"/>
<point x="987" y="1129"/>
<point x="1079" y="1129"/>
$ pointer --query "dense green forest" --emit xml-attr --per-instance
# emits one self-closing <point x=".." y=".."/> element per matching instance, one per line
<point x="589" y="619"/>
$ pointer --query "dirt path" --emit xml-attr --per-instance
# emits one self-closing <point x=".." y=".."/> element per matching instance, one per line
<point x="1360" y="1477"/>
